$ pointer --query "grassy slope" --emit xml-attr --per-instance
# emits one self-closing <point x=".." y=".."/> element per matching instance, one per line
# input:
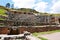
<point x="2" y="12"/>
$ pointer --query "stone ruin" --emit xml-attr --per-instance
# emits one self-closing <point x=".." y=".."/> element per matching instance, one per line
<point x="16" y="19"/>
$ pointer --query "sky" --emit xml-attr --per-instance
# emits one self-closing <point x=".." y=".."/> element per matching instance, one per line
<point x="50" y="6"/>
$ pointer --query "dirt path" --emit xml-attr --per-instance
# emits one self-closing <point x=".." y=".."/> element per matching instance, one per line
<point x="53" y="36"/>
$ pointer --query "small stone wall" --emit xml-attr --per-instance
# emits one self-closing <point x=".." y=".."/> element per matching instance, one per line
<point x="4" y="30"/>
<point x="37" y="29"/>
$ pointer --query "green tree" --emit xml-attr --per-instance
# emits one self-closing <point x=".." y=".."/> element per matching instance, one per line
<point x="8" y="5"/>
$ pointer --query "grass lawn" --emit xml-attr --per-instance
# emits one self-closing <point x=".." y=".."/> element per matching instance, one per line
<point x="41" y="33"/>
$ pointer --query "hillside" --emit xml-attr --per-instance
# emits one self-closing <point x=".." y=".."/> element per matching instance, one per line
<point x="27" y="10"/>
<point x="3" y="10"/>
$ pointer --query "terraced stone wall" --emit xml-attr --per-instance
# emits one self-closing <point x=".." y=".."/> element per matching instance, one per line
<point x="5" y="30"/>
<point x="37" y="29"/>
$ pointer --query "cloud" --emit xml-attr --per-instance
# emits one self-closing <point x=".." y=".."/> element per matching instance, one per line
<point x="24" y="3"/>
<point x="53" y="1"/>
<point x="56" y="7"/>
<point x="39" y="5"/>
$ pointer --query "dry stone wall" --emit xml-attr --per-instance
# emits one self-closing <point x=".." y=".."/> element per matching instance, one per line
<point x="4" y="30"/>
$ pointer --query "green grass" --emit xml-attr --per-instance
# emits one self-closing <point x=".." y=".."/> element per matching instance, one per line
<point x="36" y="35"/>
<point x="41" y="33"/>
<point x="2" y="25"/>
<point x="48" y="32"/>
<point x="42" y="38"/>
<point x="2" y="12"/>
<point x="2" y="19"/>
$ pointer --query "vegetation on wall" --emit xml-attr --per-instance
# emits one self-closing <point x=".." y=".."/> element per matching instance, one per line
<point x="3" y="10"/>
<point x="2" y="19"/>
<point x="27" y="10"/>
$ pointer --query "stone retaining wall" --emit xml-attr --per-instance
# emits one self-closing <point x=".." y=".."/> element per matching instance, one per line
<point x="5" y="30"/>
<point x="37" y="29"/>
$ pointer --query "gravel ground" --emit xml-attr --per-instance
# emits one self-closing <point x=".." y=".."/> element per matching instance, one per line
<point x="53" y="36"/>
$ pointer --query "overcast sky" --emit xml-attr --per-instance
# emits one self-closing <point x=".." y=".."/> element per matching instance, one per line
<point x="51" y="6"/>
